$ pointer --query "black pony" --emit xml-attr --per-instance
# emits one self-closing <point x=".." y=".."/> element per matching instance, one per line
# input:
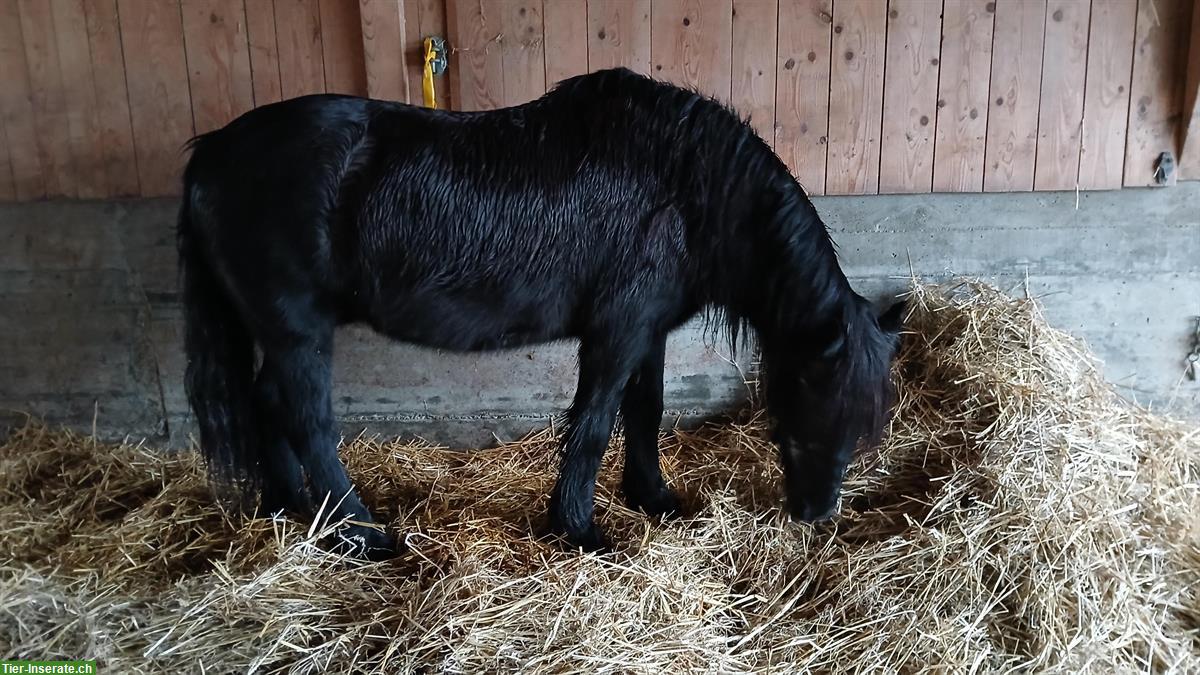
<point x="612" y="210"/>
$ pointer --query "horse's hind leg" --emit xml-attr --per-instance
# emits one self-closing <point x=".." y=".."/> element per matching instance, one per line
<point x="304" y="370"/>
<point x="642" y="410"/>
<point x="283" y="476"/>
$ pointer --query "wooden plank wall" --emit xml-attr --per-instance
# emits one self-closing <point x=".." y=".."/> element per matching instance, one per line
<point x="99" y="96"/>
<point x="866" y="96"/>
<point x="856" y="96"/>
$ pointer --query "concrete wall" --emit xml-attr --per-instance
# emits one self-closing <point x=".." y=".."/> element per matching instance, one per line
<point x="90" y="323"/>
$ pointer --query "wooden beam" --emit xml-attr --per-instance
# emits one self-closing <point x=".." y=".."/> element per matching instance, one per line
<point x="218" y="60"/>
<point x="619" y="35"/>
<point x="754" y="49"/>
<point x="802" y="89"/>
<point x="1189" y="156"/>
<point x="566" y="40"/>
<point x="855" y="97"/>
<point x="160" y="102"/>
<point x="960" y="139"/>
<point x="1017" y="39"/>
<point x="383" y="25"/>
<point x="1106" y="101"/>
<point x="342" y="48"/>
<point x="910" y="95"/>
<point x="1060" y="120"/>
<point x="1155" y="95"/>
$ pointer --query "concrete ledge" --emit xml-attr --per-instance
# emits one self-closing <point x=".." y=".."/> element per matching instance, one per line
<point x="90" y="324"/>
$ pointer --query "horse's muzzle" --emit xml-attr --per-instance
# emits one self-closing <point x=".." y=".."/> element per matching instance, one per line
<point x="812" y="479"/>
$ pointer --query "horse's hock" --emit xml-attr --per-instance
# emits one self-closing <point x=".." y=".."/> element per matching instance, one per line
<point x="91" y="330"/>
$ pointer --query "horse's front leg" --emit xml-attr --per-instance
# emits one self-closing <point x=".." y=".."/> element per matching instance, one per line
<point x="605" y="366"/>
<point x="642" y="410"/>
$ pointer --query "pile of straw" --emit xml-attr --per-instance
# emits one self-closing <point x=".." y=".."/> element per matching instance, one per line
<point x="1020" y="516"/>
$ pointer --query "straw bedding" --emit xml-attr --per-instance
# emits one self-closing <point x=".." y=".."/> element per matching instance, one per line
<point x="1019" y="517"/>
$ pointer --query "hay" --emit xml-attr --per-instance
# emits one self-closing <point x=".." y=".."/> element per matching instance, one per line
<point x="1020" y="517"/>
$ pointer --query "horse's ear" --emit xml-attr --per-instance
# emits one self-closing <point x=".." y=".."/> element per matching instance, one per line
<point x="892" y="320"/>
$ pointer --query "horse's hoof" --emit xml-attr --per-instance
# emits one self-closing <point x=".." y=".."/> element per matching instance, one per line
<point x="591" y="539"/>
<point x="656" y="503"/>
<point x="275" y="504"/>
<point x="365" y="543"/>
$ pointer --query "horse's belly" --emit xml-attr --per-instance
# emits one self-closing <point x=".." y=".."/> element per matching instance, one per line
<point x="477" y="323"/>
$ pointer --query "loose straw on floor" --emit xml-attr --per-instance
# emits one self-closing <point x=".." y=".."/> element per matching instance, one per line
<point x="1019" y="517"/>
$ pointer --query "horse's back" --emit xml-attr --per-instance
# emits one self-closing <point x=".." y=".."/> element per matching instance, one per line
<point x="464" y="230"/>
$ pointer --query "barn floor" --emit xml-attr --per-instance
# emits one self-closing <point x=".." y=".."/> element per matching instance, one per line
<point x="1020" y="516"/>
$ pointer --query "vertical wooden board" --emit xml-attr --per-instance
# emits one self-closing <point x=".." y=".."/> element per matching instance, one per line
<point x="218" y="60"/>
<point x="301" y="54"/>
<point x="755" y="37"/>
<point x="264" y="51"/>
<point x="523" y="51"/>
<point x="692" y="44"/>
<point x="856" y="96"/>
<point x="1189" y="155"/>
<point x="383" y="27"/>
<point x="802" y="89"/>
<point x="342" y="48"/>
<point x="115" y="128"/>
<point x="566" y="39"/>
<point x="414" y="55"/>
<point x="79" y="93"/>
<point x="1016" y="85"/>
<point x="1064" y="72"/>
<point x="159" y="103"/>
<point x="1156" y="92"/>
<point x="1106" y="97"/>
<point x="619" y="34"/>
<point x="910" y="95"/>
<point x="16" y="106"/>
<point x="966" y="64"/>
<point x="50" y="112"/>
<point x="8" y="190"/>
<point x="477" y="71"/>
<point x="432" y="21"/>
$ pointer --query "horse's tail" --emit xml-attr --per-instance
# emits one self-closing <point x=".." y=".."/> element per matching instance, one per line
<point x="220" y="363"/>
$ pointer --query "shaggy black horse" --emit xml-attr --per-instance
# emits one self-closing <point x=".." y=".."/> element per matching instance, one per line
<point x="612" y="210"/>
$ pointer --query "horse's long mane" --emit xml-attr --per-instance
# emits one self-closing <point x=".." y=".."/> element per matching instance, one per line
<point x="787" y="281"/>
<point x="741" y="200"/>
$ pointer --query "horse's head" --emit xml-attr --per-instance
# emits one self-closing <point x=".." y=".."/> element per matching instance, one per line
<point x="829" y="390"/>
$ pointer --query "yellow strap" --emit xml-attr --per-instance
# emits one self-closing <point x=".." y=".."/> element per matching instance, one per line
<point x="427" y="76"/>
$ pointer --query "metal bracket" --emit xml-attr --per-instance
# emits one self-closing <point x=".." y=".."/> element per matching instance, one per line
<point x="1192" y="360"/>
<point x="440" y="61"/>
<point x="1164" y="168"/>
<point x="1193" y="357"/>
